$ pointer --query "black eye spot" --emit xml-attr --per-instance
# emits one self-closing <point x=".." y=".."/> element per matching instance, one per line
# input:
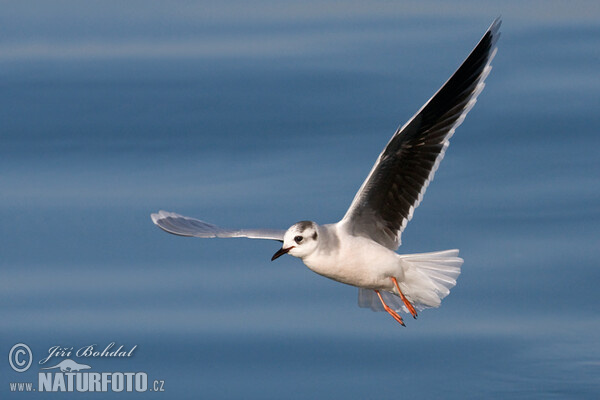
<point x="298" y="239"/>
<point x="315" y="236"/>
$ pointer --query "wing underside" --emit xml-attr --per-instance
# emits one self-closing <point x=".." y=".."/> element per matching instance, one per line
<point x="186" y="226"/>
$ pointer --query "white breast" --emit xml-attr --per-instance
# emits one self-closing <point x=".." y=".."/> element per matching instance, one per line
<point x="353" y="260"/>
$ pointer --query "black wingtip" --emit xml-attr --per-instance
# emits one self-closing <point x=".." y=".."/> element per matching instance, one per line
<point x="496" y="24"/>
<point x="494" y="30"/>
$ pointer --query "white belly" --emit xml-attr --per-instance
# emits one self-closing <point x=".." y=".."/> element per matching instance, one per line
<point x="359" y="262"/>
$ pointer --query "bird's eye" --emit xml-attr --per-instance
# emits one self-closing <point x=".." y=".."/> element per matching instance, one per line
<point x="298" y="239"/>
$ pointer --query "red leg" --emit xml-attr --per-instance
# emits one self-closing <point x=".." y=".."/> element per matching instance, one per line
<point x="389" y="310"/>
<point x="410" y="307"/>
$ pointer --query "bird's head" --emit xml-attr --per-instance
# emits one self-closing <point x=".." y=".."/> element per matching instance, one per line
<point x="300" y="240"/>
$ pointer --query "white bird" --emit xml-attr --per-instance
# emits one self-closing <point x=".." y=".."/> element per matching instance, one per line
<point x="360" y="250"/>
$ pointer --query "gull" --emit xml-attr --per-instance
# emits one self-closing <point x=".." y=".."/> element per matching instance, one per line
<point x="360" y="249"/>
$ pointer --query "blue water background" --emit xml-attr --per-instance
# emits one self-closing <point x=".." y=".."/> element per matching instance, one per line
<point x="265" y="113"/>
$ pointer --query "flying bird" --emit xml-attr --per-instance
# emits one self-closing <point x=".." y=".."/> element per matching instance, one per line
<point x="360" y="249"/>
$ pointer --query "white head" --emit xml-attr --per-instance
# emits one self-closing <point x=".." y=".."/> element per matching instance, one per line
<point x="300" y="240"/>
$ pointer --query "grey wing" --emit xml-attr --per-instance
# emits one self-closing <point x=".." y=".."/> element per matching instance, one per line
<point x="395" y="186"/>
<point x="186" y="226"/>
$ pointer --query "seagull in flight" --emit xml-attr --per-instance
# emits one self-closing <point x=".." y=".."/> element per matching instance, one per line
<point x="360" y="249"/>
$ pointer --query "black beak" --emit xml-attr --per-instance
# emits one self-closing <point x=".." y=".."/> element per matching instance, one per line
<point x="281" y="252"/>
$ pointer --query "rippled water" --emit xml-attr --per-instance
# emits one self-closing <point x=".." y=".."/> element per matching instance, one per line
<point x="266" y="115"/>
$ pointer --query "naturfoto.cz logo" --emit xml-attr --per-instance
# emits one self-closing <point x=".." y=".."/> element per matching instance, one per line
<point x="60" y="373"/>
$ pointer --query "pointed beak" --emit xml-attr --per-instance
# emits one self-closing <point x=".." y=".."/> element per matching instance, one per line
<point x="281" y="252"/>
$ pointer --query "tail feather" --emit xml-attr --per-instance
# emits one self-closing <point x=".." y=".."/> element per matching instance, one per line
<point x="428" y="278"/>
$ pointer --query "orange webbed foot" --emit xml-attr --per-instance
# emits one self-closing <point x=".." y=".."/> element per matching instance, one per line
<point x="407" y="303"/>
<point x="393" y="313"/>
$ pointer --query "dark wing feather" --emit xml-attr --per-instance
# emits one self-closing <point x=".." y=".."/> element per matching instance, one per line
<point x="394" y="188"/>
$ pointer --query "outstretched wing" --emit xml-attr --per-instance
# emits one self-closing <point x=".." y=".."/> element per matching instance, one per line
<point x="395" y="186"/>
<point x="186" y="226"/>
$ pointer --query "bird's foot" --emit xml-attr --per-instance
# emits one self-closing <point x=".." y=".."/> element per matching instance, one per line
<point x="393" y="313"/>
<point x="407" y="303"/>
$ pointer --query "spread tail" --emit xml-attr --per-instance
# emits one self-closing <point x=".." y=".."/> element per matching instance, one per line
<point x="428" y="278"/>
